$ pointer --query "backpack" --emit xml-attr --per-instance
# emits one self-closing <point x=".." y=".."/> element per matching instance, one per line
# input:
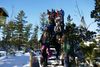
<point x="66" y="47"/>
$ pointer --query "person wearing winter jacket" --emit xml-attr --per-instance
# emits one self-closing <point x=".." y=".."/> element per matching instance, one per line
<point x="45" y="47"/>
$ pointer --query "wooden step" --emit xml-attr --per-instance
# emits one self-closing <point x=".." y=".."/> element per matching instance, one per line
<point x="52" y="61"/>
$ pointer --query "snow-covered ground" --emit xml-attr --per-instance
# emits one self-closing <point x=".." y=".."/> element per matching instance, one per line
<point x="19" y="60"/>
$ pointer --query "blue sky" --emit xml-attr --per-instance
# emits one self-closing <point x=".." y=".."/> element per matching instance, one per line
<point x="33" y="8"/>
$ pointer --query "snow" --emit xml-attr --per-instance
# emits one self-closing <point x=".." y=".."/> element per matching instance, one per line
<point x="19" y="60"/>
<point x="2" y="54"/>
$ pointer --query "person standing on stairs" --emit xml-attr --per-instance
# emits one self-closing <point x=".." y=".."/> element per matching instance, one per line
<point x="45" y="49"/>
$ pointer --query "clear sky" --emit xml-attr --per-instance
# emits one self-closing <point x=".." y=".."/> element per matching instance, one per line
<point x="33" y="8"/>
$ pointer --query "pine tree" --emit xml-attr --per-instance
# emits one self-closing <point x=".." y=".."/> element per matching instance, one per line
<point x="33" y="42"/>
<point x="20" y="25"/>
<point x="43" y="21"/>
<point x="96" y="13"/>
<point x="7" y="42"/>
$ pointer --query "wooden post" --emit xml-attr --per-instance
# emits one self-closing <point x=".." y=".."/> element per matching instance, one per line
<point x="31" y="60"/>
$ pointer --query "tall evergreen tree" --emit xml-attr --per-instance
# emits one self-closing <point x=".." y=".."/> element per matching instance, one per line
<point x="16" y="33"/>
<point x="33" y="42"/>
<point x="43" y="21"/>
<point x="27" y="32"/>
<point x="75" y="35"/>
<point x="96" y="13"/>
<point x="20" y="25"/>
<point x="7" y="42"/>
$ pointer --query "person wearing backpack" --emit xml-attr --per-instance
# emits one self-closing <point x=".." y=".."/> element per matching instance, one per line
<point x="66" y="49"/>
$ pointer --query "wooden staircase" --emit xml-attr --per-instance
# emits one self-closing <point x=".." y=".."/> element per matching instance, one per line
<point x="52" y="61"/>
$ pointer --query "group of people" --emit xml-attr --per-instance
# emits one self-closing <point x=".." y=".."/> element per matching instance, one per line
<point x="56" y="21"/>
<point x="54" y="35"/>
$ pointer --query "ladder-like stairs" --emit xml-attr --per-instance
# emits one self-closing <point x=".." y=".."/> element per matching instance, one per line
<point x="52" y="61"/>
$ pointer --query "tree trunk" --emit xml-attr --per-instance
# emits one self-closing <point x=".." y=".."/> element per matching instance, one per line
<point x="31" y="60"/>
<point x="91" y="65"/>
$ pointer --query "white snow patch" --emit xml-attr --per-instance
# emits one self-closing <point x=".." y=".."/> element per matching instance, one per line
<point x="19" y="60"/>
